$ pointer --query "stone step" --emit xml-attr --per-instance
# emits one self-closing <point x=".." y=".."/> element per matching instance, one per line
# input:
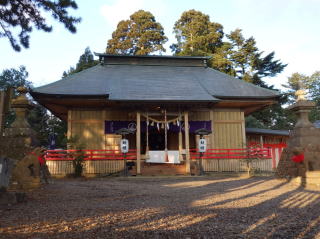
<point x="152" y="169"/>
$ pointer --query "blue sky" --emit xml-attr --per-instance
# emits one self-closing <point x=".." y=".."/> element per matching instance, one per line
<point x="288" y="27"/>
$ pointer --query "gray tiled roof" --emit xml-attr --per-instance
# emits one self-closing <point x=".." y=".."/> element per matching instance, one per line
<point x="155" y="83"/>
<point x="267" y="131"/>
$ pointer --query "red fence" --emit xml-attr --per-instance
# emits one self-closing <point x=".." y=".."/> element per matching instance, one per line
<point x="89" y="154"/>
<point x="64" y="155"/>
<point x="246" y="153"/>
<point x="276" y="151"/>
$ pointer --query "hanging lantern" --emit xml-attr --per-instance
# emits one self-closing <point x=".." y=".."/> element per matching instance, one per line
<point x="158" y="126"/>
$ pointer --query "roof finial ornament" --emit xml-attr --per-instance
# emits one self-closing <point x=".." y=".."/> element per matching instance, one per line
<point x="300" y="95"/>
<point x="301" y="92"/>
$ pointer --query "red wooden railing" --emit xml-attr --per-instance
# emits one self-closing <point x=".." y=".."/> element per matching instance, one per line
<point x="267" y="145"/>
<point x="245" y="153"/>
<point x="275" y="148"/>
<point x="89" y="154"/>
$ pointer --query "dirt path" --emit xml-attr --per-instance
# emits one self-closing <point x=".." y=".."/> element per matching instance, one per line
<point x="199" y="207"/>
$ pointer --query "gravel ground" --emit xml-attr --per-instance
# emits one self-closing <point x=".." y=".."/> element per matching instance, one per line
<point x="177" y="207"/>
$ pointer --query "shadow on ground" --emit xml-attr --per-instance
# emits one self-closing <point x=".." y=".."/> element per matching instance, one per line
<point x="198" y="207"/>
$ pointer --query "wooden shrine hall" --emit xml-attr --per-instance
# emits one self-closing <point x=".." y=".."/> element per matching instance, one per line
<point x="164" y="100"/>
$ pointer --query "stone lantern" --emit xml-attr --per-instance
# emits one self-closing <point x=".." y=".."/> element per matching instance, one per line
<point x="20" y="128"/>
<point x="16" y="147"/>
<point x="304" y="140"/>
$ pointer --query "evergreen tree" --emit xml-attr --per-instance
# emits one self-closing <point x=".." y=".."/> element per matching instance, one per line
<point x="311" y="84"/>
<point x="29" y="14"/>
<point x="140" y="35"/>
<point x="248" y="62"/>
<point x="86" y="60"/>
<point x="46" y="125"/>
<point x="275" y="116"/>
<point x="314" y="92"/>
<point x="38" y="117"/>
<point x="314" y="87"/>
<point x="13" y="78"/>
<point x="196" y="35"/>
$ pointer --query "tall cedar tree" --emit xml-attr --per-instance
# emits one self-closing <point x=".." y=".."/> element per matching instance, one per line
<point x="86" y="60"/>
<point x="247" y="61"/>
<point x="196" y="34"/>
<point x="29" y="14"/>
<point x="140" y="35"/>
<point x="235" y="55"/>
<point x="249" y="65"/>
<point x="314" y="91"/>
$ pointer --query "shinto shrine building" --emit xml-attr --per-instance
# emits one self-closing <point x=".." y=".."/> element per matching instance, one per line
<point x="164" y="99"/>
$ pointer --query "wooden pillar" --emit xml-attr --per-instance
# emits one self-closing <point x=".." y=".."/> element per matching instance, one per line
<point x="180" y="146"/>
<point x="261" y="141"/>
<point x="212" y="129"/>
<point x="244" y="137"/>
<point x="138" y="143"/>
<point x="104" y="116"/>
<point x="186" y="134"/>
<point x="69" y="133"/>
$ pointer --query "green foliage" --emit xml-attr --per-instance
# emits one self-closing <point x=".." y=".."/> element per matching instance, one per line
<point x="45" y="125"/>
<point x="26" y="15"/>
<point x="74" y="143"/>
<point x="249" y="64"/>
<point x="86" y="60"/>
<point x="235" y="55"/>
<point x="252" y="122"/>
<point x="276" y="116"/>
<point x="140" y="35"/>
<point x="311" y="84"/>
<point x="13" y="78"/>
<point x="38" y="117"/>
<point x="196" y="35"/>
<point x="295" y="82"/>
<point x="247" y="61"/>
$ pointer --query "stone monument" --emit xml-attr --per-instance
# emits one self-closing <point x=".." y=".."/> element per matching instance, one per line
<point x="304" y="140"/>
